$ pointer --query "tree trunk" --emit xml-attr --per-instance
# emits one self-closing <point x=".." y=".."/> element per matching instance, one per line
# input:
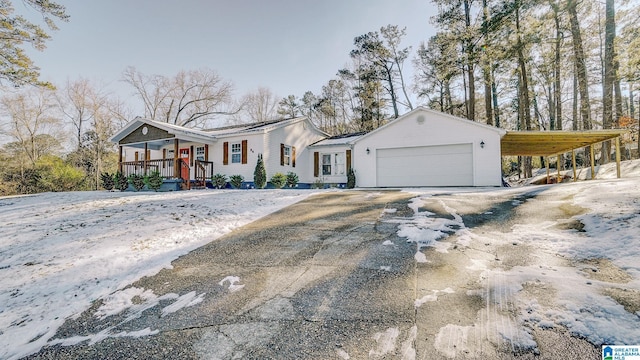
<point x="486" y="67"/>
<point x="609" y="77"/>
<point x="524" y="77"/>
<point x="581" y="70"/>
<point x="581" y="67"/>
<point x="552" y="110"/>
<point x="392" y="92"/>
<point x="496" y="109"/>
<point x="557" y="93"/>
<point x="632" y="107"/>
<point x="404" y="87"/>
<point x="574" y="103"/>
<point x="471" y="114"/>
<point x="447" y="97"/>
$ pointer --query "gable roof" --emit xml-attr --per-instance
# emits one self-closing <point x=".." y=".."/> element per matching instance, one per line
<point x="459" y="120"/>
<point x="344" y="139"/>
<point x="177" y="130"/>
<point x="259" y="127"/>
<point x="210" y="134"/>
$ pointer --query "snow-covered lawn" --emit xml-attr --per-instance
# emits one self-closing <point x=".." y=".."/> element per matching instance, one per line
<point x="61" y="251"/>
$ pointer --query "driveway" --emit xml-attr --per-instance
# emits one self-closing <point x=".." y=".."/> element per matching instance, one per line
<point x="329" y="278"/>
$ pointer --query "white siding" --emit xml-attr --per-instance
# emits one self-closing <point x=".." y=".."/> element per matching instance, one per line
<point x="255" y="143"/>
<point x="300" y="135"/>
<point x="425" y="128"/>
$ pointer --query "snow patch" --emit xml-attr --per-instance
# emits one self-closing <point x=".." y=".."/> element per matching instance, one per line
<point x="386" y="342"/>
<point x="232" y="280"/>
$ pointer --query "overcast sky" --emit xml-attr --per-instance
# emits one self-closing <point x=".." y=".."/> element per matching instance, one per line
<point x="289" y="46"/>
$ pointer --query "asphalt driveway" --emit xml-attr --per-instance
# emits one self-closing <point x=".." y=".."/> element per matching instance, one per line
<point x="326" y="278"/>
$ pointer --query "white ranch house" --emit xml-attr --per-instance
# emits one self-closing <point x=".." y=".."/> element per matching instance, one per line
<point x="420" y="148"/>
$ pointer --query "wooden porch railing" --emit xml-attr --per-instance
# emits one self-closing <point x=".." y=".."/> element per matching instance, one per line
<point x="163" y="166"/>
<point x="204" y="171"/>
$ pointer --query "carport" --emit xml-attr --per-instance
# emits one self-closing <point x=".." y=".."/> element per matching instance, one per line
<point x="556" y="143"/>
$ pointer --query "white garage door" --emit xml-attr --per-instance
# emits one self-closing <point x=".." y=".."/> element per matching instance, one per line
<point x="445" y="165"/>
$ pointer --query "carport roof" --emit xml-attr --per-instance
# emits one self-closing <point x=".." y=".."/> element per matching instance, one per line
<point x="546" y="143"/>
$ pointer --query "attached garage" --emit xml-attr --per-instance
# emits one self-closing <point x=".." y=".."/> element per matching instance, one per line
<point x="427" y="148"/>
<point x="439" y="165"/>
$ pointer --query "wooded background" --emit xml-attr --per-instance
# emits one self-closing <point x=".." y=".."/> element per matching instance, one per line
<point x="517" y="65"/>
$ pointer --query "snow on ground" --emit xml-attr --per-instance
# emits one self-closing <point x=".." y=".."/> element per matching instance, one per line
<point x="587" y="306"/>
<point x="61" y="251"/>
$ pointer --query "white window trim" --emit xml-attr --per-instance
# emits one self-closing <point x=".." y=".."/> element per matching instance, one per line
<point x="200" y="153"/>
<point x="236" y="154"/>
<point x="287" y="155"/>
<point x="323" y="164"/>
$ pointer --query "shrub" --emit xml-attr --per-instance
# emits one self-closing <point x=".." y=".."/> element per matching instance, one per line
<point x="120" y="181"/>
<point x="278" y="180"/>
<point x="219" y="180"/>
<point x="137" y="181"/>
<point x="236" y="181"/>
<point x="292" y="179"/>
<point x="153" y="181"/>
<point x="318" y="184"/>
<point x="260" y="174"/>
<point x="58" y="175"/>
<point x="351" y="179"/>
<point x="107" y="181"/>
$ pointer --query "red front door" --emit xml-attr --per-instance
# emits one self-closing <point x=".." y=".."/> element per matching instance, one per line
<point x="184" y="170"/>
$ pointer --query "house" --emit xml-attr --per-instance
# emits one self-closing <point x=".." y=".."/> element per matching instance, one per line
<point x="190" y="157"/>
<point x="421" y="148"/>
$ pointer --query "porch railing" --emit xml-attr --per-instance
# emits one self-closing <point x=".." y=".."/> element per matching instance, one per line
<point x="203" y="171"/>
<point x="163" y="166"/>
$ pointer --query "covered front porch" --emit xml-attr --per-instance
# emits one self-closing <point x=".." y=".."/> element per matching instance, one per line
<point x="180" y="157"/>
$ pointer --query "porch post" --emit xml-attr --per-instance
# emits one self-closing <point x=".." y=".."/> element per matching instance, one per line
<point x="547" y="163"/>
<point x="144" y="162"/>
<point x="593" y="168"/>
<point x="573" y="161"/>
<point x="558" y="180"/>
<point x="618" y="156"/>
<point x="176" y="167"/>
<point x="120" y="159"/>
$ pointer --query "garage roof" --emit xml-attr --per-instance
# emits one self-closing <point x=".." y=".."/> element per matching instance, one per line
<point x="546" y="143"/>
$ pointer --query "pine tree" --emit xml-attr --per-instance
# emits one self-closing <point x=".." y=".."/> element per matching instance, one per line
<point x="260" y="174"/>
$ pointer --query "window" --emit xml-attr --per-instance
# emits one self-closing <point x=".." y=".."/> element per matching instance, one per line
<point x="236" y="153"/>
<point x="326" y="164"/>
<point x="333" y="164"/>
<point x="200" y="153"/>
<point x="339" y="161"/>
<point x="286" y="153"/>
<point x="170" y="154"/>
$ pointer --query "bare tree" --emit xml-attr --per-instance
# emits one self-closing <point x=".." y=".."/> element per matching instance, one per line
<point x="79" y="100"/>
<point x="189" y="98"/>
<point x="261" y="105"/>
<point x="32" y="124"/>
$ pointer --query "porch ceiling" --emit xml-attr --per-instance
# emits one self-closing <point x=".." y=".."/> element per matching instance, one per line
<point x="546" y="143"/>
